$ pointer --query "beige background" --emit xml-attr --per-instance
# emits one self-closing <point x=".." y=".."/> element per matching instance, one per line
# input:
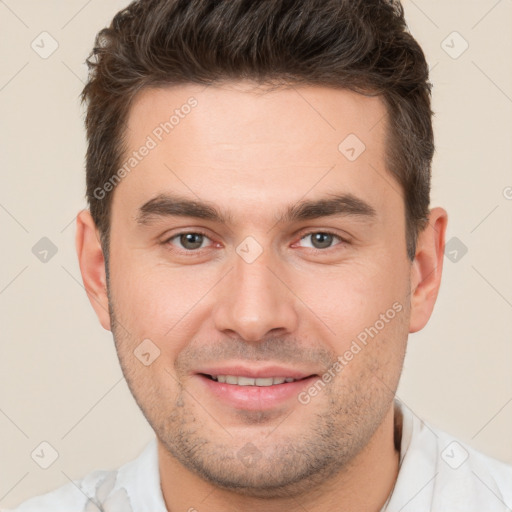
<point x="59" y="376"/>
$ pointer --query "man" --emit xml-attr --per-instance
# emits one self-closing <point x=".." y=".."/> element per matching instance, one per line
<point x="260" y="244"/>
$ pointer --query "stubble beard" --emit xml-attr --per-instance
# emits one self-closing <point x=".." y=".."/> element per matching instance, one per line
<point x="277" y="463"/>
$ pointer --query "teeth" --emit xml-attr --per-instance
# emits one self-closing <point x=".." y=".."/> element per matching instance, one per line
<point x="249" y="381"/>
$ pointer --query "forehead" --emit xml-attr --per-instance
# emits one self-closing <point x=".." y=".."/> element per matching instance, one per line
<point x="234" y="113"/>
<point x="236" y="140"/>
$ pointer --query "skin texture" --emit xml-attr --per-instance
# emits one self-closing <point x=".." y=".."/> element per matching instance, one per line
<point x="251" y="154"/>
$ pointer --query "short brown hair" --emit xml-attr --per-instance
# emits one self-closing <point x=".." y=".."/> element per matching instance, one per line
<point x="359" y="45"/>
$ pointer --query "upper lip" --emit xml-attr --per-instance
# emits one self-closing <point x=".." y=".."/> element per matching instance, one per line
<point x="255" y="373"/>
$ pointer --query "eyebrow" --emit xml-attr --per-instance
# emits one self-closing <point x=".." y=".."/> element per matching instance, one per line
<point x="166" y="205"/>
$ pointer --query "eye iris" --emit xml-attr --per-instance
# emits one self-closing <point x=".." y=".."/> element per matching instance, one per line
<point x="321" y="240"/>
<point x="191" y="240"/>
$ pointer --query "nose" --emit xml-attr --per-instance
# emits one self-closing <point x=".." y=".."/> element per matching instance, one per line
<point x="254" y="302"/>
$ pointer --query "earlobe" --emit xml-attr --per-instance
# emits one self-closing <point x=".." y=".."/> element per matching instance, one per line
<point x="92" y="265"/>
<point x="426" y="269"/>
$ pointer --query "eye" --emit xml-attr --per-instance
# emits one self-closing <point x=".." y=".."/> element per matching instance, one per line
<point x="189" y="241"/>
<point x="320" y="240"/>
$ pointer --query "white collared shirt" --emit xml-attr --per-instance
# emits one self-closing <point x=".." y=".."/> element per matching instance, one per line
<point x="437" y="473"/>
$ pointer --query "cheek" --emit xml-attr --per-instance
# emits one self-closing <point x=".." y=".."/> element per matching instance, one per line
<point x="156" y="301"/>
<point x="138" y="298"/>
<point x="371" y="349"/>
<point x="350" y="299"/>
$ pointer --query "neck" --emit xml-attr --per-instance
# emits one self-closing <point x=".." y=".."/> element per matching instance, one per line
<point x="364" y="485"/>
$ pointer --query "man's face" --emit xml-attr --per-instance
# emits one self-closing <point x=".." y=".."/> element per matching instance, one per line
<point x="270" y="286"/>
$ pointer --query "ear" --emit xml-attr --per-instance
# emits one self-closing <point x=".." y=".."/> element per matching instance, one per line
<point x="427" y="268"/>
<point x="92" y="265"/>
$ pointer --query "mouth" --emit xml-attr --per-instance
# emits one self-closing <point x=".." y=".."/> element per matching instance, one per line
<point x="241" y="380"/>
<point x="254" y="390"/>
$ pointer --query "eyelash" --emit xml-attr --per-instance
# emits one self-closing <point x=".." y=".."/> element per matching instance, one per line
<point x="187" y="251"/>
<point x="193" y="252"/>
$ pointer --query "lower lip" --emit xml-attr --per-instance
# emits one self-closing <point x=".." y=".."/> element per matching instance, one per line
<point x="256" y="398"/>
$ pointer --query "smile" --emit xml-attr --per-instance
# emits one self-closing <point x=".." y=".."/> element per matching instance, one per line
<point x="250" y="381"/>
<point x="255" y="392"/>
